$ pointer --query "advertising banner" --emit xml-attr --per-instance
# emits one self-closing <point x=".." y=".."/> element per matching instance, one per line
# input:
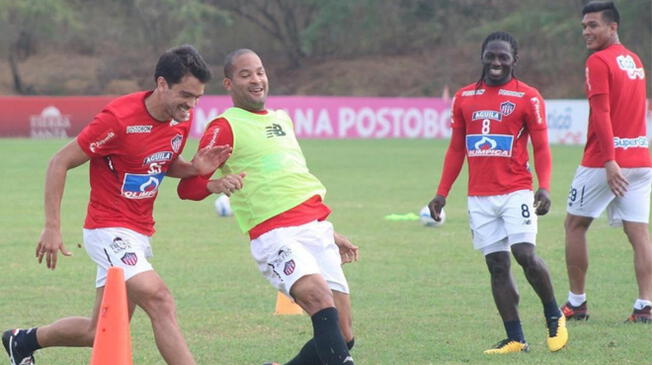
<point x="347" y="117"/>
<point x="314" y="117"/>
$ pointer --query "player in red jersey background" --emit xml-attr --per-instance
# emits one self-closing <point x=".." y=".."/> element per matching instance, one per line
<point x="132" y="144"/>
<point x="492" y="121"/>
<point x="615" y="173"/>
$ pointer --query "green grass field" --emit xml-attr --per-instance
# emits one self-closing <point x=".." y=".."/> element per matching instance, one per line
<point x="420" y="295"/>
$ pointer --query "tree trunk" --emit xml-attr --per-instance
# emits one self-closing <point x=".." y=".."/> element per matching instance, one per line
<point x="15" y="73"/>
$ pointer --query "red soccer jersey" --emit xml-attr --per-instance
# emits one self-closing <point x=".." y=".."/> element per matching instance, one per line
<point x="618" y="73"/>
<point x="130" y="153"/>
<point x="491" y="126"/>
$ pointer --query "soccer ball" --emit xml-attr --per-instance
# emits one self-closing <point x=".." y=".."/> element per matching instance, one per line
<point x="223" y="206"/>
<point x="426" y="219"/>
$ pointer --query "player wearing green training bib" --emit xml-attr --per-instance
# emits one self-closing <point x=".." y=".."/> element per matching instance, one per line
<point x="279" y="203"/>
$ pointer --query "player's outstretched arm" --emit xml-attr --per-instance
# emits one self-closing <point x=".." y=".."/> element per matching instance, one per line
<point x="51" y="242"/>
<point x="205" y="162"/>
<point x="348" y="251"/>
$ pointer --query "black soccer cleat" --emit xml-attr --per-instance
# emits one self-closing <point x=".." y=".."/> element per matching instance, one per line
<point x="579" y="313"/>
<point x="641" y="315"/>
<point x="11" y="340"/>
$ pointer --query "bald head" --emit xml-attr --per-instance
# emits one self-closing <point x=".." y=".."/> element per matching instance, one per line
<point x="230" y="59"/>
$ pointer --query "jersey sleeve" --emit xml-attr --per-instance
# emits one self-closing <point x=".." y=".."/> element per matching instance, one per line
<point x="542" y="157"/>
<point x="601" y="121"/>
<point x="457" y="117"/>
<point x="597" y="77"/>
<point x="218" y="133"/>
<point x="100" y="137"/>
<point x="453" y="161"/>
<point x="536" y="115"/>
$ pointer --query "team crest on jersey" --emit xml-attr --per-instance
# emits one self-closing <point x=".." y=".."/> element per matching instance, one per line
<point x="489" y="145"/>
<point x="289" y="267"/>
<point x="176" y="143"/>
<point x="507" y="107"/>
<point x="129" y="258"/>
<point x="141" y="186"/>
<point x="487" y="114"/>
<point x="158" y="157"/>
<point x="627" y="64"/>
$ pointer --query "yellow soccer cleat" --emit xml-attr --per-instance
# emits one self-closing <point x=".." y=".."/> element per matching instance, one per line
<point x="507" y="346"/>
<point x="557" y="334"/>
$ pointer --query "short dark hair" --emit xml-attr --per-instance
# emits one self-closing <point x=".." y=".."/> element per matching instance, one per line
<point x="180" y="61"/>
<point x="607" y="8"/>
<point x="228" y="60"/>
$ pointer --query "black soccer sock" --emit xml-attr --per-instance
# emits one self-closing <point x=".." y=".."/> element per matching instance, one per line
<point x="308" y="354"/>
<point x="551" y="310"/>
<point x="514" y="331"/>
<point x="28" y="341"/>
<point x="329" y="342"/>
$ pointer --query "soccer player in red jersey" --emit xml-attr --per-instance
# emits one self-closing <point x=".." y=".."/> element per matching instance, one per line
<point x="132" y="144"/>
<point x="491" y="122"/>
<point x="279" y="204"/>
<point x="615" y="173"/>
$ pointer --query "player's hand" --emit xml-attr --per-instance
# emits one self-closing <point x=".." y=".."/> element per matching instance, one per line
<point x="226" y="184"/>
<point x="209" y="158"/>
<point x="436" y="205"/>
<point x="615" y="178"/>
<point x="348" y="251"/>
<point x="49" y="245"/>
<point x="542" y="202"/>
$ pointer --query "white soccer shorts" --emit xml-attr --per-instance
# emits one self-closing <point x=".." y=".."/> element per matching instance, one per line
<point x="119" y="247"/>
<point x="590" y="195"/>
<point x="499" y="221"/>
<point x="286" y="254"/>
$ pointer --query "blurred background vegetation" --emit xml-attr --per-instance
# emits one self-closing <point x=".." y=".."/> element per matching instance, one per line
<point x="310" y="47"/>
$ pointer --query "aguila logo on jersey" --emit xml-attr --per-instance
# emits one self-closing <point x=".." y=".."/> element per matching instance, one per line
<point x="176" y="143"/>
<point x="141" y="186"/>
<point x="487" y="114"/>
<point x="158" y="157"/>
<point x="274" y="130"/>
<point x="507" y="107"/>
<point x="627" y="64"/>
<point x="129" y="258"/>
<point x="288" y="269"/>
<point x="489" y="145"/>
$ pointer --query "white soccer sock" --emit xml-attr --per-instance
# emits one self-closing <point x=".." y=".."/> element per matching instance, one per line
<point x="576" y="299"/>
<point x="641" y="303"/>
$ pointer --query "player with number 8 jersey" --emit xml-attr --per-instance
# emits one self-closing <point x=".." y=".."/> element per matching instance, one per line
<point x="492" y="121"/>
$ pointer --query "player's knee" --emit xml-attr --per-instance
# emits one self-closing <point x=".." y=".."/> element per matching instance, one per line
<point x="158" y="302"/>
<point x="498" y="266"/>
<point x="312" y="294"/>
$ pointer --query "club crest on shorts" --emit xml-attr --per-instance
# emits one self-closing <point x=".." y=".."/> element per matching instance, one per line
<point x="288" y="269"/>
<point x="129" y="258"/>
<point x="507" y="108"/>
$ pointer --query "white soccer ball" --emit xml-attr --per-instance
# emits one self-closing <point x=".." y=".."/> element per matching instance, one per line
<point x="426" y="219"/>
<point x="223" y="206"/>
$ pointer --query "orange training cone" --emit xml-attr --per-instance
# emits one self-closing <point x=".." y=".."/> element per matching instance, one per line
<point x="285" y="306"/>
<point x="112" y="344"/>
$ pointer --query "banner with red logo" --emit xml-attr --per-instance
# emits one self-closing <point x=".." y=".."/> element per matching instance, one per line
<point x="48" y="117"/>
